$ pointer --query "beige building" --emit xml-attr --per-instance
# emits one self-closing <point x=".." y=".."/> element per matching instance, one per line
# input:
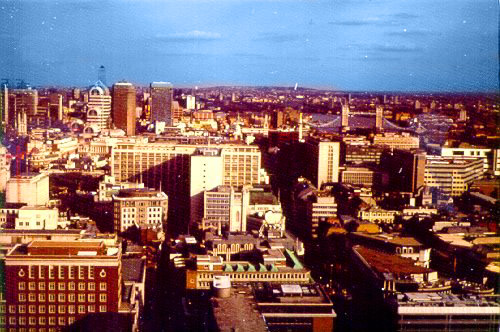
<point x="28" y="189"/>
<point x="37" y="217"/>
<point x="378" y="216"/>
<point x="402" y="141"/>
<point x="142" y="207"/>
<point x="109" y="187"/>
<point x="324" y="159"/>
<point x="452" y="176"/>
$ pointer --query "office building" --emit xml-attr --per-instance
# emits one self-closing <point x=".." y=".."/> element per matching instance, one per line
<point x="143" y="207"/>
<point x="99" y="108"/>
<point x="124" y="114"/>
<point x="379" y="117"/>
<point x="205" y="174"/>
<point x="323" y="158"/>
<point x="162" y="96"/>
<point x="28" y="189"/>
<point x="403" y="141"/>
<point x="364" y="176"/>
<point x="37" y="217"/>
<point x="452" y="176"/>
<point x="469" y="152"/>
<point x="406" y="169"/>
<point x="50" y="285"/>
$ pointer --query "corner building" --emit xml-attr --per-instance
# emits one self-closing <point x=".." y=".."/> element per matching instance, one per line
<point x="51" y="285"/>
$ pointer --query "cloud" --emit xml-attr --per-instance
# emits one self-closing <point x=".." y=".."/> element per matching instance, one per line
<point x="366" y="21"/>
<point x="410" y="33"/>
<point x="396" y="48"/>
<point x="277" y="37"/>
<point x="195" y="35"/>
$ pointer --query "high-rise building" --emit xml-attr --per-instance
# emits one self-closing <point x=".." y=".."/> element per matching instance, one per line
<point x="206" y="174"/>
<point x="162" y="95"/>
<point x="51" y="284"/>
<point x="406" y="169"/>
<point x="167" y="165"/>
<point x="143" y="207"/>
<point x="99" y="108"/>
<point x="124" y="114"/>
<point x="322" y="161"/>
<point x="379" y="117"/>
<point x="190" y="102"/>
<point x="345" y="116"/>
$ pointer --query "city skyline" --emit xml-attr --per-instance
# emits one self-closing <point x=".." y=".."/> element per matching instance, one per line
<point x="344" y="45"/>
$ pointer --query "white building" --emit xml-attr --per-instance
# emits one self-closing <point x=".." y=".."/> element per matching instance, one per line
<point x="99" y="108"/>
<point x="29" y="189"/>
<point x="324" y="160"/>
<point x="37" y="218"/>
<point x="468" y="152"/>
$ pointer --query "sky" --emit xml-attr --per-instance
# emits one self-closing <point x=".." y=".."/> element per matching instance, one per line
<point x="356" y="45"/>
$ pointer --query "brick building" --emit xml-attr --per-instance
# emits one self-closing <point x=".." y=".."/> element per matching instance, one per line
<point x="50" y="284"/>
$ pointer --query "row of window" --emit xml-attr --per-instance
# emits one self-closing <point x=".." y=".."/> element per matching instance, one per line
<point x="60" y="271"/>
<point x="51" y="320"/>
<point x="61" y="297"/>
<point x="82" y="286"/>
<point x="51" y="309"/>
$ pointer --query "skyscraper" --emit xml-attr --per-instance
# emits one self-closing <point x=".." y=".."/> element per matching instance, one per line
<point x="379" y="117"/>
<point x="322" y="161"/>
<point x="162" y="95"/>
<point x="99" y="107"/>
<point x="345" y="115"/>
<point x="124" y="107"/>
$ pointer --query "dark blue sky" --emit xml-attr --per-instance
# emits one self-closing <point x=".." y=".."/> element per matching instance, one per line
<point x="407" y="45"/>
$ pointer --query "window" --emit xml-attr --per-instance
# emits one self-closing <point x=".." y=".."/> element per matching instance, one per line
<point x="22" y="320"/>
<point x="32" y="309"/>
<point x="102" y="308"/>
<point x="71" y="297"/>
<point x="102" y="286"/>
<point x="91" y="297"/>
<point x="81" y="297"/>
<point x="72" y="272"/>
<point x="31" y="286"/>
<point x="61" y="286"/>
<point x="81" y="286"/>
<point x="91" y="286"/>
<point x="41" y="286"/>
<point x="52" y="297"/>
<point x="22" y="297"/>
<point x="81" y="273"/>
<point x="52" y="272"/>
<point x="91" y="272"/>
<point x="81" y="309"/>
<point x="41" y="320"/>
<point x="71" y="309"/>
<point x="22" y="285"/>
<point x="52" y="309"/>
<point x="41" y="297"/>
<point x="102" y="297"/>
<point x="31" y="272"/>
<point x="12" y="320"/>
<point x="12" y="309"/>
<point x="62" y="321"/>
<point x="32" y="320"/>
<point x="92" y="308"/>
<point x="52" y="286"/>
<point x="61" y="272"/>
<point x="41" y="309"/>
<point x="52" y="320"/>
<point x="22" y="309"/>
<point x="32" y="297"/>
<point x="71" y="285"/>
<point x="61" y="309"/>
<point x="3" y="308"/>
<point x="61" y="297"/>
<point x="41" y="272"/>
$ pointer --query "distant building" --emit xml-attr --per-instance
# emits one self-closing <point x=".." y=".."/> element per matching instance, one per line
<point x="99" y="108"/>
<point x="142" y="207"/>
<point x="28" y="189"/>
<point x="406" y="169"/>
<point x="469" y="152"/>
<point x="452" y="176"/>
<point x="323" y="159"/>
<point x="162" y="96"/>
<point x="124" y="113"/>
<point x="402" y="141"/>
<point x="50" y="285"/>
<point x="109" y="187"/>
